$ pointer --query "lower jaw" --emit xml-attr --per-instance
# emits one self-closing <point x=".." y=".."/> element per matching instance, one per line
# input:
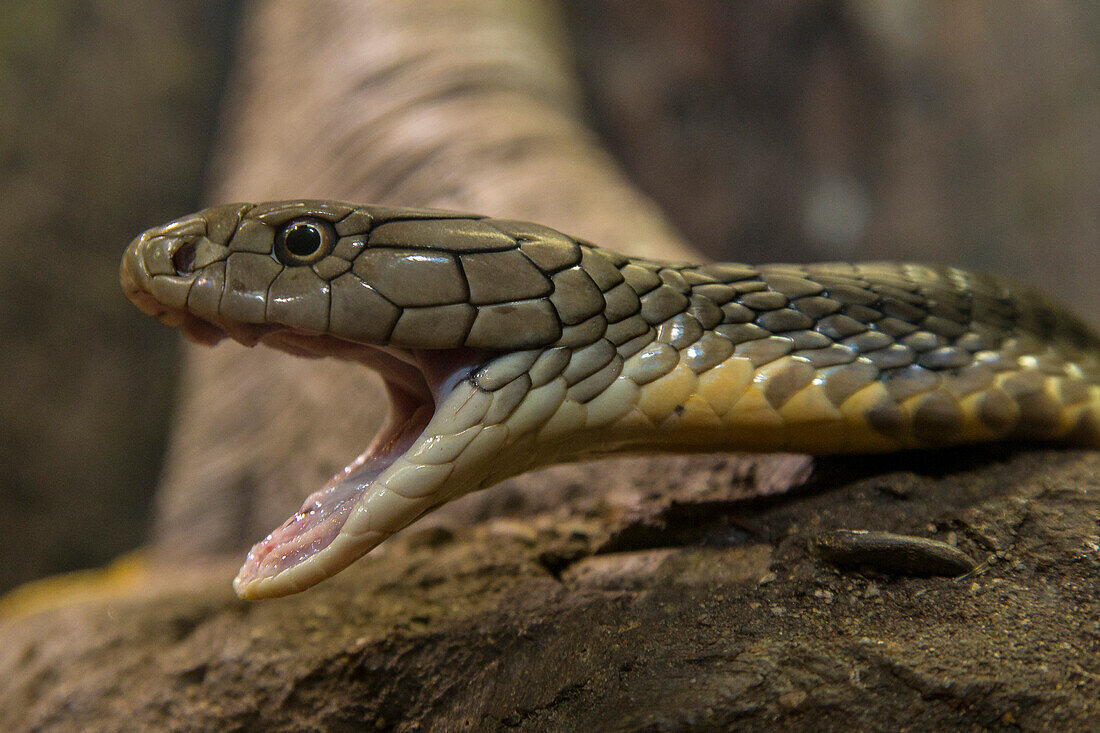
<point x="314" y="527"/>
<point x="416" y="382"/>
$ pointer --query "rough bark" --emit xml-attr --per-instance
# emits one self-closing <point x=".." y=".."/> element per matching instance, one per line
<point x="657" y="594"/>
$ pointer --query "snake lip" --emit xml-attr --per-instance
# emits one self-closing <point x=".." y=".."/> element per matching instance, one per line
<point x="321" y="517"/>
<point x="202" y="332"/>
<point x="195" y="329"/>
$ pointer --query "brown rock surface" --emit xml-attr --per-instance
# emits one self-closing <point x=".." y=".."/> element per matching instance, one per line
<point x="720" y="615"/>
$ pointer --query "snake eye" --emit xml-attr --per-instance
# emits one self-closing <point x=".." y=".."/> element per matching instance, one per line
<point x="304" y="241"/>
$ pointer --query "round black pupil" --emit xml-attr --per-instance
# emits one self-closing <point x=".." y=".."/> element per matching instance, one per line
<point x="302" y="240"/>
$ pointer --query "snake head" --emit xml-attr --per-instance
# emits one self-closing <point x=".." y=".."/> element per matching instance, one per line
<point x="454" y="311"/>
<point x="372" y="275"/>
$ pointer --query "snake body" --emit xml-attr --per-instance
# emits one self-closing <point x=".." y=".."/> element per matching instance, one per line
<point x="507" y="345"/>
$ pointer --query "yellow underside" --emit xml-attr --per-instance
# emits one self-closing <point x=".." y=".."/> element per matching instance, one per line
<point x="726" y="408"/>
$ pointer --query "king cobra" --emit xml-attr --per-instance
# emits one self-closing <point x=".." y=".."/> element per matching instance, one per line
<point x="506" y="345"/>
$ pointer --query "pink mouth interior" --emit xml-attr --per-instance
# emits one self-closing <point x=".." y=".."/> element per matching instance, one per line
<point x="323" y="514"/>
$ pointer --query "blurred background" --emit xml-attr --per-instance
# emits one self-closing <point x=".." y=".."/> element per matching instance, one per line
<point x="964" y="133"/>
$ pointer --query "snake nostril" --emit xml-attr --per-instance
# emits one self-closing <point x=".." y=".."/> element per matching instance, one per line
<point x="183" y="259"/>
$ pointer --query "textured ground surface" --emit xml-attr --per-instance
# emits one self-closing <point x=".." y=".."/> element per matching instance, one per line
<point x="697" y="609"/>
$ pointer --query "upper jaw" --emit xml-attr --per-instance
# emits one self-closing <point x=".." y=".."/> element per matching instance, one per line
<point x="153" y="255"/>
<point x="153" y="252"/>
<point x="137" y="285"/>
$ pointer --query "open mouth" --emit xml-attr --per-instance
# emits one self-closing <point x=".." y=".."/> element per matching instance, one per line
<point x="416" y="381"/>
<point x="324" y="512"/>
<point x="314" y="543"/>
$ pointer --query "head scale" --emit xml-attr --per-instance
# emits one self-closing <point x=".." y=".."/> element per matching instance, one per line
<point x="373" y="275"/>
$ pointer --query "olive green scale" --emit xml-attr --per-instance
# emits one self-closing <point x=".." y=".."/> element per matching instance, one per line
<point x="429" y="279"/>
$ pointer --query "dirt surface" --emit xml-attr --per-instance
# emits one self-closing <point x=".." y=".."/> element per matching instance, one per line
<point x="692" y="611"/>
